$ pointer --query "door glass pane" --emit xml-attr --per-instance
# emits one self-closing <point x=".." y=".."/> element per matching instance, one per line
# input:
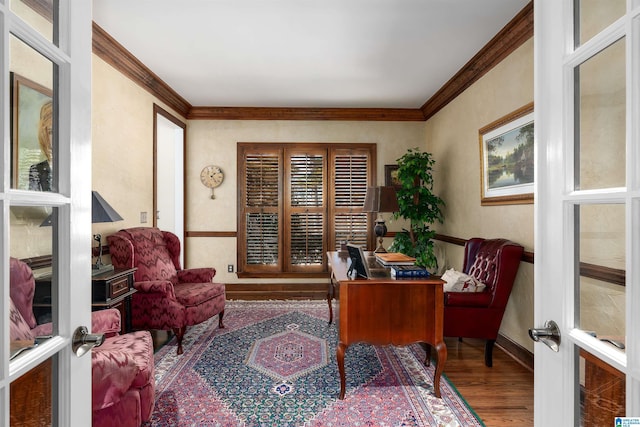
<point x="593" y="16"/>
<point x="600" y="120"/>
<point x="32" y="284"/>
<point x="601" y="281"/>
<point x="31" y="397"/>
<point x="33" y="131"/>
<point x="40" y="14"/>
<point x="601" y="391"/>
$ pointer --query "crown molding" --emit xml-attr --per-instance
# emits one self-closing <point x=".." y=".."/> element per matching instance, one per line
<point x="43" y="8"/>
<point x="112" y="52"/>
<point x="511" y="37"/>
<point x="260" y="113"/>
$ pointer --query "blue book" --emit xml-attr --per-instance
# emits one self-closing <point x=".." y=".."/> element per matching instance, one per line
<point x="404" y="271"/>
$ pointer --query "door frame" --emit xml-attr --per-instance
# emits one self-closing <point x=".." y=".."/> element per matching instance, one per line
<point x="159" y="111"/>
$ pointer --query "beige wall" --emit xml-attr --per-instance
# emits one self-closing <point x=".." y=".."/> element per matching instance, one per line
<point x="122" y="134"/>
<point x="452" y="137"/>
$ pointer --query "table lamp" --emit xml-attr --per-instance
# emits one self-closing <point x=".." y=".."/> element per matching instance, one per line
<point x="378" y="200"/>
<point x="101" y="211"/>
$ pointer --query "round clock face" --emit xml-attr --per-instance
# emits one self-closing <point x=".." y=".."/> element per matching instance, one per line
<point x="211" y="176"/>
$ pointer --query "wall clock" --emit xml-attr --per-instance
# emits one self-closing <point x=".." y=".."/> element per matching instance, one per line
<point x="211" y="177"/>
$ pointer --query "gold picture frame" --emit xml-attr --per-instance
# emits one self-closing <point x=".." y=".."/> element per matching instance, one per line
<point x="506" y="159"/>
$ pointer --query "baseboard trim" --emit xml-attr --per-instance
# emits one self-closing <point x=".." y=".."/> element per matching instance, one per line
<point x="516" y="351"/>
<point x="277" y="291"/>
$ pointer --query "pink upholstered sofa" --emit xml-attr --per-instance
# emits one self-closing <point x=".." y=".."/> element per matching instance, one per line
<point x="168" y="297"/>
<point x="123" y="381"/>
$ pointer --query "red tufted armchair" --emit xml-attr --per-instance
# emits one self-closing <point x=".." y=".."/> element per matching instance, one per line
<point x="495" y="263"/>
<point x="168" y="297"/>
<point x="122" y="368"/>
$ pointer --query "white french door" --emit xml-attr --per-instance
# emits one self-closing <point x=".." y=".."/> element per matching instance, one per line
<point x="587" y="210"/>
<point x="45" y="202"/>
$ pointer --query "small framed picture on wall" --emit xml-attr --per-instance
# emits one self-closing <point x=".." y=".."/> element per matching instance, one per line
<point x="391" y="176"/>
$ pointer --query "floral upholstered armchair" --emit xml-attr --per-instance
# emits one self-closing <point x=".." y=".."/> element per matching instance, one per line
<point x="123" y="383"/>
<point x="167" y="297"/>
<point x="122" y="371"/>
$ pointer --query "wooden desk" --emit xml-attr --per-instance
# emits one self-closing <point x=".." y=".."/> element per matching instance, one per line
<point x="382" y="311"/>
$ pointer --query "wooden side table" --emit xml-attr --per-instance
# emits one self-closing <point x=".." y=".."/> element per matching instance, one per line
<point x="111" y="289"/>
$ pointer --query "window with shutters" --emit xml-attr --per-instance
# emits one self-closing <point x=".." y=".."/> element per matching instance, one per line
<point x="298" y="201"/>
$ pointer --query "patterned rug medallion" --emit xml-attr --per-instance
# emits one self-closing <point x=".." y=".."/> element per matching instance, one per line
<point x="274" y="365"/>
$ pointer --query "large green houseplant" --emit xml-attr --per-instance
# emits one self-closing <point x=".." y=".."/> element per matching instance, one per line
<point x="419" y="206"/>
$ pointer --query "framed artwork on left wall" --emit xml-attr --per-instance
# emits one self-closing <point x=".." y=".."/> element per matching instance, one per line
<point x="31" y="134"/>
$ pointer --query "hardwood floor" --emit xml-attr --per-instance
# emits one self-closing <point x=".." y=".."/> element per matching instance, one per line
<point x="501" y="395"/>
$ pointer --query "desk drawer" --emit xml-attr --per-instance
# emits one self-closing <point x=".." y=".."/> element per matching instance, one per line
<point x="110" y="286"/>
<point x="119" y="286"/>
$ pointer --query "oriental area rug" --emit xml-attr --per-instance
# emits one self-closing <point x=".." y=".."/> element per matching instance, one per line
<point x="274" y="364"/>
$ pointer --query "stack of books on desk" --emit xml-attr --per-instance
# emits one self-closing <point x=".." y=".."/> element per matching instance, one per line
<point x="407" y="271"/>
<point x="390" y="259"/>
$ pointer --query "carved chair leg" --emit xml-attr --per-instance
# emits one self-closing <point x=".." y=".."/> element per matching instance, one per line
<point x="179" y="335"/>
<point x="488" y="353"/>
<point x="220" y="324"/>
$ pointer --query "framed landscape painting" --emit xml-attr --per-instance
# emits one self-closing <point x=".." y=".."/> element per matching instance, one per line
<point x="506" y="159"/>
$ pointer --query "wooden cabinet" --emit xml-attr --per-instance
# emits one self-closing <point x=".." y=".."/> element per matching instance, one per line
<point x="112" y="289"/>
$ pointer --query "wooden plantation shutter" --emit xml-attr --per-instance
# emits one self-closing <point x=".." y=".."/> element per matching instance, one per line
<point x="351" y="172"/>
<point x="297" y="201"/>
<point x="306" y="209"/>
<point x="262" y="216"/>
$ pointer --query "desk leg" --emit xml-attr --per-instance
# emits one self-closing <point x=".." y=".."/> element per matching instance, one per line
<point x="330" y="295"/>
<point x="441" y="349"/>
<point x="342" y="348"/>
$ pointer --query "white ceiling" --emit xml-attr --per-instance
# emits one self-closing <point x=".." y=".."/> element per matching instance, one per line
<point x="305" y="53"/>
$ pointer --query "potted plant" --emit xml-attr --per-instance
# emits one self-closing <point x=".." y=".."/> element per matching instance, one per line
<point x="419" y="205"/>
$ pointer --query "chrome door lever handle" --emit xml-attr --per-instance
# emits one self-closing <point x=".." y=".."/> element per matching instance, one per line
<point x="549" y="335"/>
<point x="82" y="341"/>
